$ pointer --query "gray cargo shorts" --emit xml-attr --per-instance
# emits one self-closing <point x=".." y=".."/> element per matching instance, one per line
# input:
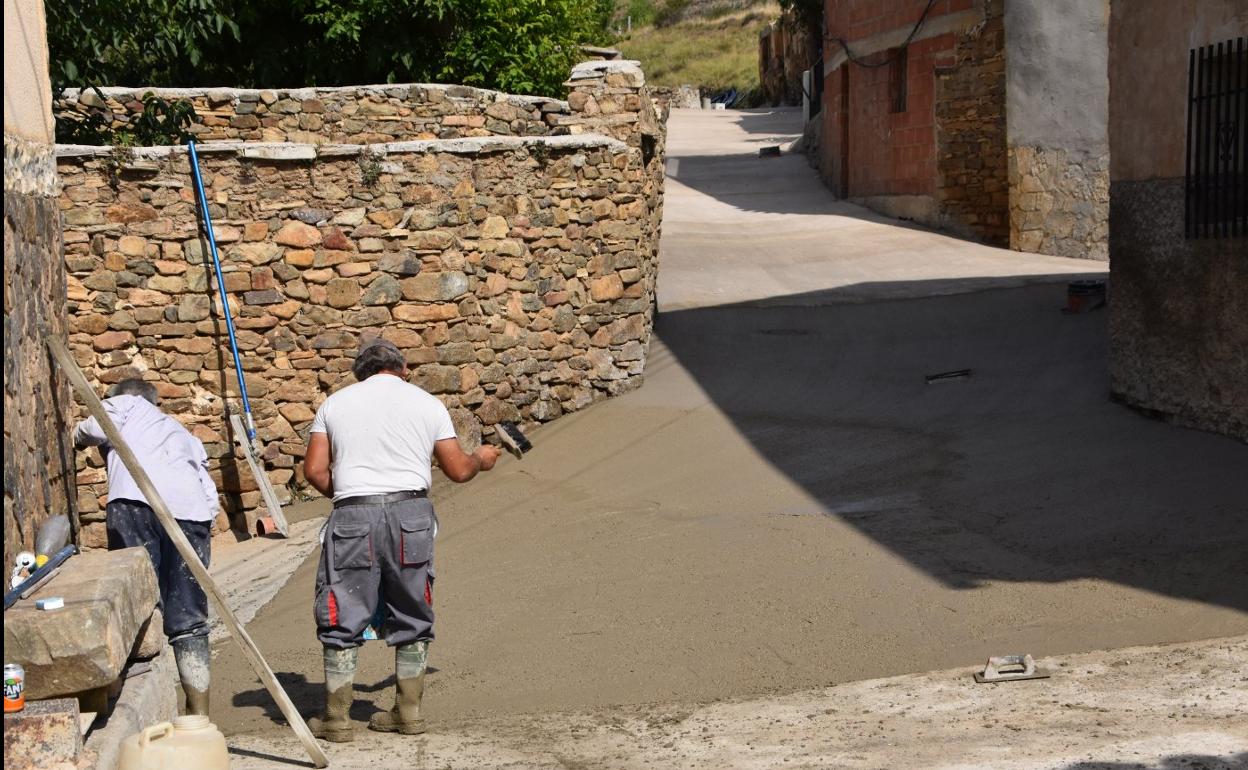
<point x="373" y="555"/>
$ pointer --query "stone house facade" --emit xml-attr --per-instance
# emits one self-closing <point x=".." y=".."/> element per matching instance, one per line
<point x="982" y="117"/>
<point x="1178" y="249"/>
<point x="511" y="253"/>
<point x="38" y="464"/>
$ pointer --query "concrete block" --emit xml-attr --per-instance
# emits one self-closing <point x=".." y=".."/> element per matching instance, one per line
<point x="41" y="735"/>
<point x="108" y="595"/>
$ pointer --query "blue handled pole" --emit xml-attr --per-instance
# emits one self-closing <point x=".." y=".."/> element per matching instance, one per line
<point x="225" y="301"/>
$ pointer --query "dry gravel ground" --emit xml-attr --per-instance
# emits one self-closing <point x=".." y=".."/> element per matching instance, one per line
<point x="1178" y="707"/>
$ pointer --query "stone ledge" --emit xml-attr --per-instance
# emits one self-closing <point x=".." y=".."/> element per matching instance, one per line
<point x="108" y="595"/>
<point x="477" y="145"/>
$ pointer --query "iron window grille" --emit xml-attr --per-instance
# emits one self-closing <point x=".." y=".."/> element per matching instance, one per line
<point x="897" y="79"/>
<point x="1216" y="190"/>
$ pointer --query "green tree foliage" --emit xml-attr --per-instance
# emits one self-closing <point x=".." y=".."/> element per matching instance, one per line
<point x="134" y="42"/>
<point x="521" y="46"/>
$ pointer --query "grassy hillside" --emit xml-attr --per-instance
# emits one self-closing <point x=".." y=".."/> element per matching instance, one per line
<point x="712" y="44"/>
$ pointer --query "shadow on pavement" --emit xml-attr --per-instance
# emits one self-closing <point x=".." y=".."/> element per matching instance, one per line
<point x="771" y="120"/>
<point x="1022" y="471"/>
<point x="308" y="697"/>
<point x="1176" y="762"/>
<point x="274" y="758"/>
<point x="771" y="185"/>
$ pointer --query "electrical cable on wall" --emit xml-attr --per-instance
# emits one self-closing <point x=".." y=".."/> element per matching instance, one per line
<point x="887" y="59"/>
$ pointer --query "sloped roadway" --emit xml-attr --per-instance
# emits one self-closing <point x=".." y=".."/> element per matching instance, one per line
<point x="787" y="503"/>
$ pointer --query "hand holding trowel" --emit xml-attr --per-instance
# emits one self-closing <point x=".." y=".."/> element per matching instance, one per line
<point x="515" y="441"/>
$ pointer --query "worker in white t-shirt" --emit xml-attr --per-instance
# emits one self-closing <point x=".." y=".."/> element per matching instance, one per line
<point x="370" y="449"/>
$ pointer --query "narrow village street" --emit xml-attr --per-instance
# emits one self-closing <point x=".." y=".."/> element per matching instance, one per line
<point x="788" y="504"/>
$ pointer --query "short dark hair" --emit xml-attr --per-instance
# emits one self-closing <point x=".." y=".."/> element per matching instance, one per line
<point x="378" y="355"/>
<point x="136" y="387"/>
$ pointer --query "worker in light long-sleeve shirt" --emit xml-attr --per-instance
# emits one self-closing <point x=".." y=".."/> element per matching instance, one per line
<point x="178" y="467"/>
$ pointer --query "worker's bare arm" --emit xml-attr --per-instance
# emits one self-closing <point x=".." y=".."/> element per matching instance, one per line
<point x="460" y="466"/>
<point x="316" y="464"/>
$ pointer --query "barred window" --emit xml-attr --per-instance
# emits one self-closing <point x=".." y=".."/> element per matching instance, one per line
<point x="897" y="79"/>
<point x="1216" y="199"/>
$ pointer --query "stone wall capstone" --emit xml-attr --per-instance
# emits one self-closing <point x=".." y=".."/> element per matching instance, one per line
<point x="38" y="461"/>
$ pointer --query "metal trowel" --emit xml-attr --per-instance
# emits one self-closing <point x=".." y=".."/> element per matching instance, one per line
<point x="511" y="436"/>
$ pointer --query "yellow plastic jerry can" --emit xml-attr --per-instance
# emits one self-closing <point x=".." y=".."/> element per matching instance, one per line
<point x="187" y="743"/>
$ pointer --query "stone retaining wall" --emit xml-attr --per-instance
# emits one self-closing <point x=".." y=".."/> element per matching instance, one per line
<point x="516" y="272"/>
<point x="38" y="463"/>
<point x="517" y="275"/>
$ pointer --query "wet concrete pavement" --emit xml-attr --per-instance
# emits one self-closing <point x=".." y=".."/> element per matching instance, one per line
<point x="787" y="503"/>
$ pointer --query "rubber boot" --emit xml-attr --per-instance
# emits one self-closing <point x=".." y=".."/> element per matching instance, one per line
<point x="335" y="725"/>
<point x="409" y="670"/>
<point x="194" y="660"/>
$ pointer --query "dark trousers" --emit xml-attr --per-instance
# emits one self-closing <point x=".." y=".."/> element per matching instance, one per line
<point x="376" y="554"/>
<point x="184" y="604"/>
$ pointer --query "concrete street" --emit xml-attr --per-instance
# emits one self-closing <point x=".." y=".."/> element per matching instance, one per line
<point x="787" y="504"/>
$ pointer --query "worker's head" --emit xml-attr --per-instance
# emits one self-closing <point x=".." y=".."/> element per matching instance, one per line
<point x="136" y="387"/>
<point x="378" y="355"/>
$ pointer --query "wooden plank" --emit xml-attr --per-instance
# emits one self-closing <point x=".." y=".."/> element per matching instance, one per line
<point x="61" y="355"/>
<point x="262" y="479"/>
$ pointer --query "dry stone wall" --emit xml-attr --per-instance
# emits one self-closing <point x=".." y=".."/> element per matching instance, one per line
<point x="516" y="273"/>
<point x="353" y="114"/>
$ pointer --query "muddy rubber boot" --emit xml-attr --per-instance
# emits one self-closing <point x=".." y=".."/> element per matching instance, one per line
<point x="409" y="670"/>
<point x="194" y="660"/>
<point x="335" y="725"/>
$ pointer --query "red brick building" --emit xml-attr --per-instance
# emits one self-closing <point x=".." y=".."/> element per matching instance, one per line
<point x="917" y="108"/>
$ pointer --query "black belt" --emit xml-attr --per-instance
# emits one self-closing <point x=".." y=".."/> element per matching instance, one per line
<point x="392" y="497"/>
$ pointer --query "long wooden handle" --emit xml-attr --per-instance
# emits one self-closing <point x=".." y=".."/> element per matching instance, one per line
<point x="62" y="356"/>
